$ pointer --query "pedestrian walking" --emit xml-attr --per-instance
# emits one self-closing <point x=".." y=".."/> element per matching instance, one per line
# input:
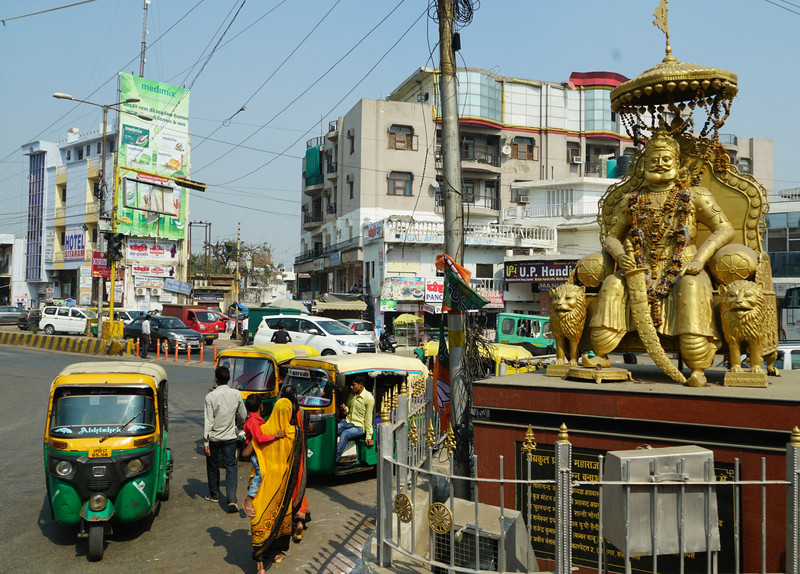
<point x="224" y="411"/>
<point x="144" y="340"/>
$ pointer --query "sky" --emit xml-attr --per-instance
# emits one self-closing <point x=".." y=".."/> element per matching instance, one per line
<point x="266" y="76"/>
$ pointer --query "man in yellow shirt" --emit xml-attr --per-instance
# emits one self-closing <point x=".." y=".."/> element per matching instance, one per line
<point x="359" y="411"/>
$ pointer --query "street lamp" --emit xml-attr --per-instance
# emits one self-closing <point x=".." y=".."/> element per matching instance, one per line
<point x="112" y="278"/>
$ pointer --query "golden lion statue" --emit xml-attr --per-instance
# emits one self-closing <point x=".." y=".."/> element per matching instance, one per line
<point x="743" y="320"/>
<point x="566" y="319"/>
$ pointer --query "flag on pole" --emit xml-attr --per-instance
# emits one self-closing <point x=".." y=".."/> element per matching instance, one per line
<point x="441" y="374"/>
<point x="458" y="296"/>
<point x="446" y="263"/>
<point x="661" y="17"/>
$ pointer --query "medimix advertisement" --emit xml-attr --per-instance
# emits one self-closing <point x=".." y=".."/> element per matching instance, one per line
<point x="149" y="205"/>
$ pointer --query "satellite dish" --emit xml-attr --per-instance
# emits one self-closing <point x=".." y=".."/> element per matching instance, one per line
<point x="434" y="184"/>
<point x="506" y="150"/>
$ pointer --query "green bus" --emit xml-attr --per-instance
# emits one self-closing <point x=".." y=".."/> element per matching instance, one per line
<point x="530" y="331"/>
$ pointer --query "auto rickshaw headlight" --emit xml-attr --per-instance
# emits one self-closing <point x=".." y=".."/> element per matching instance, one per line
<point x="134" y="465"/>
<point x="97" y="502"/>
<point x="64" y="468"/>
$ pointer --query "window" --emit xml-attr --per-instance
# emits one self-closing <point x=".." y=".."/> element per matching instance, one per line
<point x="468" y="192"/>
<point x="524" y="148"/>
<point x="573" y="151"/>
<point x="64" y="194"/>
<point x="351" y="137"/>
<point x="80" y="153"/>
<point x="467" y="147"/>
<point x="350" y="188"/>
<point x="559" y="202"/>
<point x="99" y="148"/>
<point x="401" y="137"/>
<point x="69" y="155"/>
<point x="518" y="192"/>
<point x="745" y="165"/>
<point x="400" y="183"/>
<point x="63" y="312"/>
<point x="112" y="143"/>
<point x="484" y="270"/>
<point x="88" y="150"/>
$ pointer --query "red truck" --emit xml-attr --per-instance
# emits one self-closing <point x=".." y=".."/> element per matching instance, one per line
<point x="198" y="318"/>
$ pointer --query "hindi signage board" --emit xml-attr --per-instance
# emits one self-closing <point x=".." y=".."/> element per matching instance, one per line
<point x="547" y="274"/>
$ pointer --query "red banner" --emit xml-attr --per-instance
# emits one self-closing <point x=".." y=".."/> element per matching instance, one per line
<point x="100" y="266"/>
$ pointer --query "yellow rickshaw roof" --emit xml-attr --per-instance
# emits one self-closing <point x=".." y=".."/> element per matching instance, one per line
<point x="280" y="352"/>
<point x="127" y="370"/>
<point x="364" y="362"/>
<point x="500" y="351"/>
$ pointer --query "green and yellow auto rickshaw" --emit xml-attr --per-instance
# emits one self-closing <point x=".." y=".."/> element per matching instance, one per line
<point x="105" y="446"/>
<point x="322" y="384"/>
<point x="498" y="358"/>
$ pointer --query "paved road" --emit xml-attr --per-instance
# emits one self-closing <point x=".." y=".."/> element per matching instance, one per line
<point x="188" y="534"/>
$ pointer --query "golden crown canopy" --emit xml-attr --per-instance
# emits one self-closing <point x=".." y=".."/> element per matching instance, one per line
<point x="663" y="93"/>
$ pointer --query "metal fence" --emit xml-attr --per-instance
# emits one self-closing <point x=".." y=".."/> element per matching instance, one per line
<point x="465" y="536"/>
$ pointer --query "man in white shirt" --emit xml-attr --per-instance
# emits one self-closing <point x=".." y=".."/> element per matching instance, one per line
<point x="144" y="340"/>
<point x="224" y="411"/>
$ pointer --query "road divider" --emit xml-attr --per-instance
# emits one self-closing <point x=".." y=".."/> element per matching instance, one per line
<point x="68" y="344"/>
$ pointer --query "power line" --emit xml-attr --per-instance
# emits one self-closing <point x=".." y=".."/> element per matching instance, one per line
<point x="4" y="20"/>
<point x="784" y="7"/>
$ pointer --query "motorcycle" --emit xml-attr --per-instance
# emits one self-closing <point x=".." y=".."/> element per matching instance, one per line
<point x="387" y="342"/>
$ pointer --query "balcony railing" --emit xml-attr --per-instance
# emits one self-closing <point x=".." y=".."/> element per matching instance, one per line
<point x="728" y="139"/>
<point x="314" y="142"/>
<point x="312" y="217"/>
<point x="403" y="231"/>
<point x="332" y="126"/>
<point x="475" y="155"/>
<point x="331" y="209"/>
<point x="473" y="200"/>
<point x="318" y="252"/>
<point x="550" y="211"/>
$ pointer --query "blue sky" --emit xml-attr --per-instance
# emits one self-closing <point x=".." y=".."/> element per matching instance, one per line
<point x="296" y="65"/>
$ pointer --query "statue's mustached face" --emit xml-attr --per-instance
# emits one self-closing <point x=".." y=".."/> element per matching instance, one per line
<point x="660" y="166"/>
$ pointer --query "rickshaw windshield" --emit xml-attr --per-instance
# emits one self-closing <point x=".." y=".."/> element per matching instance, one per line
<point x="250" y="373"/>
<point x="312" y="387"/>
<point x="82" y="412"/>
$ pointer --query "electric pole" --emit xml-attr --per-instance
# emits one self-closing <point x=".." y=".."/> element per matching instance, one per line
<point x="453" y="242"/>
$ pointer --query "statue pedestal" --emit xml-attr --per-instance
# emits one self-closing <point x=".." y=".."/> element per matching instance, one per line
<point x="746" y="379"/>
<point x="557" y="370"/>
<point x="599" y="375"/>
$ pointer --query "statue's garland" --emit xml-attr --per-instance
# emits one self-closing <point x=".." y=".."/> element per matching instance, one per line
<point x="660" y="229"/>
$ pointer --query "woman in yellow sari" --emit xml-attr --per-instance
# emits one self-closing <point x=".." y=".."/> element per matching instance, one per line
<point x="280" y="463"/>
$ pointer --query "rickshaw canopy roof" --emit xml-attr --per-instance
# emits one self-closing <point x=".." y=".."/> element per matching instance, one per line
<point x="124" y="370"/>
<point x="366" y="362"/>
<point x="279" y="352"/>
<point x="499" y="351"/>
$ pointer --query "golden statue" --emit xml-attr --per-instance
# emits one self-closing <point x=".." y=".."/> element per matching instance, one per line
<point x="654" y="230"/>
<point x="566" y="322"/>
<point x="744" y="314"/>
<point x="678" y="228"/>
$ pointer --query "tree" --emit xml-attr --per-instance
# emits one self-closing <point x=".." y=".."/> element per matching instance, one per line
<point x="222" y="256"/>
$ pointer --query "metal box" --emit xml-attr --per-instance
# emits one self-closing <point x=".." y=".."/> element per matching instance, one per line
<point x="648" y="519"/>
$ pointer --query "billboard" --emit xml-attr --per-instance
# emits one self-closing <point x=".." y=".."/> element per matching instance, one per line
<point x="150" y="205"/>
<point x="74" y="244"/>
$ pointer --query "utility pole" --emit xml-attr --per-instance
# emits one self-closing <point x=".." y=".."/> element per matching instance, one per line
<point x="142" y="58"/>
<point x="238" y="258"/>
<point x="453" y="242"/>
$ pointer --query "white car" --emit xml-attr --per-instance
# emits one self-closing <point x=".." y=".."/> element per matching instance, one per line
<point x="361" y="327"/>
<point x="65" y="319"/>
<point x="328" y="336"/>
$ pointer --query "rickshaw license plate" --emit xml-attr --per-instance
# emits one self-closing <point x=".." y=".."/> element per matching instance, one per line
<point x="99" y="452"/>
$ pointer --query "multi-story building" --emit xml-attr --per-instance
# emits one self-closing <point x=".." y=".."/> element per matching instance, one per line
<point x="67" y="215"/>
<point x="535" y="157"/>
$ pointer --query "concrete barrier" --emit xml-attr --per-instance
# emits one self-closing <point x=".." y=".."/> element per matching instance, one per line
<point x="82" y="345"/>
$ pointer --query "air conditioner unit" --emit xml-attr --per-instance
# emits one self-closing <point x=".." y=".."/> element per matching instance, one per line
<point x="155" y="292"/>
<point x="141" y="291"/>
<point x="523" y="199"/>
<point x="577" y="159"/>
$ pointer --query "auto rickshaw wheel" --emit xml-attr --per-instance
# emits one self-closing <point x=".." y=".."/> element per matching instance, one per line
<point x="165" y="493"/>
<point x="96" y="534"/>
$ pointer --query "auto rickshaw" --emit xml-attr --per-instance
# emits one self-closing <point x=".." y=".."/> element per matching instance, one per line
<point x="499" y="358"/>
<point x="105" y="447"/>
<point x="261" y="368"/>
<point x="322" y="385"/>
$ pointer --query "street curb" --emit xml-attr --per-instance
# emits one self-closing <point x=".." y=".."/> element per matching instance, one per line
<point x="82" y="345"/>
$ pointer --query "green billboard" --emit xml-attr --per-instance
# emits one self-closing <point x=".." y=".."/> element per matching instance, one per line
<point x="149" y="150"/>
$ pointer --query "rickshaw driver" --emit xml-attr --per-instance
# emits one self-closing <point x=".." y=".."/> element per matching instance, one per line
<point x="359" y="412"/>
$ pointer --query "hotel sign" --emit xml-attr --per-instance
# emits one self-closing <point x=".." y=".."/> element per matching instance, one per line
<point x="547" y="274"/>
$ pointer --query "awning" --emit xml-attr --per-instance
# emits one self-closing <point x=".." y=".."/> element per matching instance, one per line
<point x="340" y="306"/>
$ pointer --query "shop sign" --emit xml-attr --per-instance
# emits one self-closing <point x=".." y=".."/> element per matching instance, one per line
<point x="148" y="282"/>
<point x="434" y="290"/>
<point x="152" y="249"/>
<point x="74" y="244"/>
<point x="496" y="299"/>
<point x="49" y="242"/>
<point x="336" y="258"/>
<point x="374" y="231"/>
<point x="177" y="286"/>
<point x="433" y="308"/>
<point x="404" y="288"/>
<point x="547" y="274"/>
<point x="100" y="265"/>
<point x="153" y="270"/>
<point x="388" y="305"/>
<point x="318" y="264"/>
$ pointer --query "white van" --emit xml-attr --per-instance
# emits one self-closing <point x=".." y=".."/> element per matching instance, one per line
<point x="328" y="336"/>
<point x="65" y="319"/>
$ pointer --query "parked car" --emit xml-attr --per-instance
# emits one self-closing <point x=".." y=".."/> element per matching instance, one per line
<point x="29" y="318"/>
<point x="65" y="319"/>
<point x="9" y="315"/>
<point x="169" y="329"/>
<point x="202" y="320"/>
<point x="361" y="327"/>
<point x="328" y="336"/>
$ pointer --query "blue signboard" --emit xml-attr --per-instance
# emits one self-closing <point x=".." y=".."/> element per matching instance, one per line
<point x="178" y="286"/>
